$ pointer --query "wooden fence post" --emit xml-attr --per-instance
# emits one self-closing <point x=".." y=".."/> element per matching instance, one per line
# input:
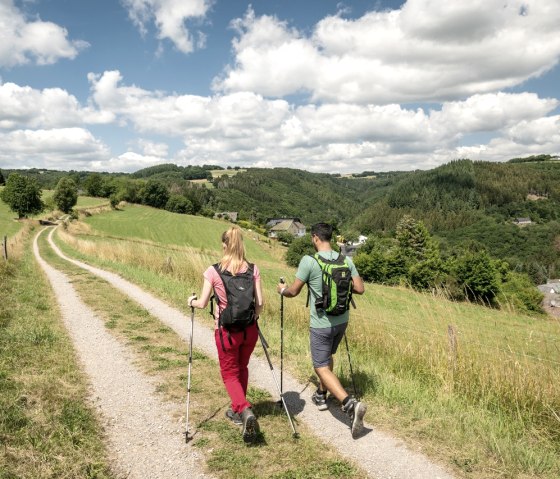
<point x="5" y="248"/>
<point x="452" y="336"/>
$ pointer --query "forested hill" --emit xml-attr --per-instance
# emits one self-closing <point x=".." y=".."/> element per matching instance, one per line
<point x="461" y="203"/>
<point x="313" y="197"/>
<point x="470" y="203"/>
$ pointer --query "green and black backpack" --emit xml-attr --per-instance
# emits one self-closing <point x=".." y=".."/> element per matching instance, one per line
<point x="337" y="285"/>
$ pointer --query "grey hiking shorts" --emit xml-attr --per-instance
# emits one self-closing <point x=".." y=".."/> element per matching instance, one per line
<point x="324" y="343"/>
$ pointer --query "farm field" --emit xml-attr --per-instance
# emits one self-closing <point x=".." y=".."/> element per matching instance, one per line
<point x="488" y="406"/>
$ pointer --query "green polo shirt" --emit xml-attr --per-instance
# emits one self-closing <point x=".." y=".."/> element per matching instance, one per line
<point x="309" y="272"/>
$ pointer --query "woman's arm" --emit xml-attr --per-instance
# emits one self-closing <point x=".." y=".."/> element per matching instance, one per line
<point x="259" y="302"/>
<point x="202" y="302"/>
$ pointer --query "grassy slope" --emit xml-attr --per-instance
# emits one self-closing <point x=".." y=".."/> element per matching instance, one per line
<point x="462" y="410"/>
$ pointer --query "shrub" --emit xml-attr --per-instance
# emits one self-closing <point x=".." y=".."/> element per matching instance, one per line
<point x="519" y="291"/>
<point x="179" y="204"/>
<point x="299" y="248"/>
<point x="477" y="275"/>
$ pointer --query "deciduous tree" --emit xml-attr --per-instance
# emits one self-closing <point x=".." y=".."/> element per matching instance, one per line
<point x="22" y="195"/>
<point x="66" y="194"/>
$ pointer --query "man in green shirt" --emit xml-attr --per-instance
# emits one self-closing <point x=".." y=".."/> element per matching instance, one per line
<point x="326" y="331"/>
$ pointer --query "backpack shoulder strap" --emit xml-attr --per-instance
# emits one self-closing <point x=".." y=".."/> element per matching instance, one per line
<point x="316" y="258"/>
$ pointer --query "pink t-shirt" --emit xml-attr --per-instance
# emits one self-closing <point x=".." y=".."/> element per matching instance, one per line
<point x="220" y="291"/>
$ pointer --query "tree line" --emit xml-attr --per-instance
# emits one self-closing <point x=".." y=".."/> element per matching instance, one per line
<point x="464" y="205"/>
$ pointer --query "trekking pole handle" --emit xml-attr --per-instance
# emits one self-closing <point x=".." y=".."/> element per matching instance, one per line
<point x="193" y="294"/>
<point x="282" y="280"/>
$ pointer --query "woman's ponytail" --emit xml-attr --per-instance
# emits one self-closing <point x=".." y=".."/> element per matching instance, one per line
<point x="234" y="253"/>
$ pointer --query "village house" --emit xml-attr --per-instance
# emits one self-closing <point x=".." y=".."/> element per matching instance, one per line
<point x="289" y="225"/>
<point x="522" y="221"/>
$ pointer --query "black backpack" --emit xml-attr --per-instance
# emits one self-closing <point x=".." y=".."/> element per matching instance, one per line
<point x="240" y="292"/>
<point x="337" y="285"/>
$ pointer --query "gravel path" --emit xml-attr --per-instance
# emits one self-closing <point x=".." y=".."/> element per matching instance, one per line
<point x="380" y="455"/>
<point x="144" y="440"/>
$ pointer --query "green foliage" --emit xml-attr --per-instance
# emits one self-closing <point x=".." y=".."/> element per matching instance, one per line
<point x="251" y="226"/>
<point x="22" y="195"/>
<point x="284" y="192"/>
<point x="285" y="238"/>
<point x="2" y="180"/>
<point x="460" y="201"/>
<point x="169" y="172"/>
<point x="372" y="266"/>
<point x="299" y="248"/>
<point x="66" y="195"/>
<point x="518" y="291"/>
<point x="155" y="194"/>
<point x="94" y="185"/>
<point x="477" y="275"/>
<point x="179" y="204"/>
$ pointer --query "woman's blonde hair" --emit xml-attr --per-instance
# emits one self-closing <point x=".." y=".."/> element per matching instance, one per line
<point x="234" y="252"/>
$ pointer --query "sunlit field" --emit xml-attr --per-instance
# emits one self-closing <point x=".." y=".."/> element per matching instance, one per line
<point x="477" y="387"/>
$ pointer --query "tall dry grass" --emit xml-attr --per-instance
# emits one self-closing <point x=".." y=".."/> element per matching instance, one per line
<point x="460" y="366"/>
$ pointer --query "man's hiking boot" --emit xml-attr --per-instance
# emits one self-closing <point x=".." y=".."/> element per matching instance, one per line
<point x="250" y="425"/>
<point x="356" y="411"/>
<point x="234" y="417"/>
<point x="320" y="400"/>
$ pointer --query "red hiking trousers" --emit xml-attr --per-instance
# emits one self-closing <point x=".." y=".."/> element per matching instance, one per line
<point x="234" y="361"/>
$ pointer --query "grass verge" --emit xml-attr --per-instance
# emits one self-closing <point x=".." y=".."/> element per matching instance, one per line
<point x="47" y="428"/>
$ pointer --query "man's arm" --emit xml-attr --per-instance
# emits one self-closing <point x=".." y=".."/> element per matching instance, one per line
<point x="358" y="285"/>
<point x="291" y="291"/>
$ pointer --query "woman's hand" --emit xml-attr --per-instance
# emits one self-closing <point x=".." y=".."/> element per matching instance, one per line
<point x="190" y="300"/>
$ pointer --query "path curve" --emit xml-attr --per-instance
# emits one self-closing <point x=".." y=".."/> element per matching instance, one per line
<point x="380" y="455"/>
<point x="144" y="440"/>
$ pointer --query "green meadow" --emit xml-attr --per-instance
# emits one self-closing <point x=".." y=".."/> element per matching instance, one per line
<point x="476" y="388"/>
<point x="10" y="226"/>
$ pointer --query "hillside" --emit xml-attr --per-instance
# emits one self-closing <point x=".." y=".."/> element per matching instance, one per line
<point x="462" y="203"/>
<point x="501" y="381"/>
<point x="467" y="202"/>
<point x="261" y="193"/>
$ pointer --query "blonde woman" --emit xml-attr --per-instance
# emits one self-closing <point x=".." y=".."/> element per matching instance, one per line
<point x="236" y="333"/>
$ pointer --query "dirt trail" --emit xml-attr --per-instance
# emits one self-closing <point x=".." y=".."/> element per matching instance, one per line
<point x="144" y="440"/>
<point x="380" y="455"/>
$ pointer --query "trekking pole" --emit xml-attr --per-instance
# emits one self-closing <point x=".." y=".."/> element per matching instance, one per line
<point x="265" y="348"/>
<point x="187" y="438"/>
<point x="351" y="371"/>
<point x="279" y="403"/>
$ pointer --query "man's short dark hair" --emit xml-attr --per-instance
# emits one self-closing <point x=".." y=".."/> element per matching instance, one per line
<point x="322" y="230"/>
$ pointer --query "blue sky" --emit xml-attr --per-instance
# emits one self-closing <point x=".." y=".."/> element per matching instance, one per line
<point x="318" y="85"/>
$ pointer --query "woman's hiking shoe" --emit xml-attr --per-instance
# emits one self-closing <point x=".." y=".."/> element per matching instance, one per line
<point x="250" y="425"/>
<point x="234" y="417"/>
<point x="356" y="410"/>
<point x="320" y="400"/>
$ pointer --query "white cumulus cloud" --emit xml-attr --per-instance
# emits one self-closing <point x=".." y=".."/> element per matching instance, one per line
<point x="60" y="148"/>
<point x="245" y="128"/>
<point x="23" y="40"/>
<point x="170" y="17"/>
<point x="26" y="107"/>
<point x="429" y="50"/>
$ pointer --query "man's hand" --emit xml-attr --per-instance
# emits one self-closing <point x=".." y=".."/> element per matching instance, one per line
<point x="280" y="287"/>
